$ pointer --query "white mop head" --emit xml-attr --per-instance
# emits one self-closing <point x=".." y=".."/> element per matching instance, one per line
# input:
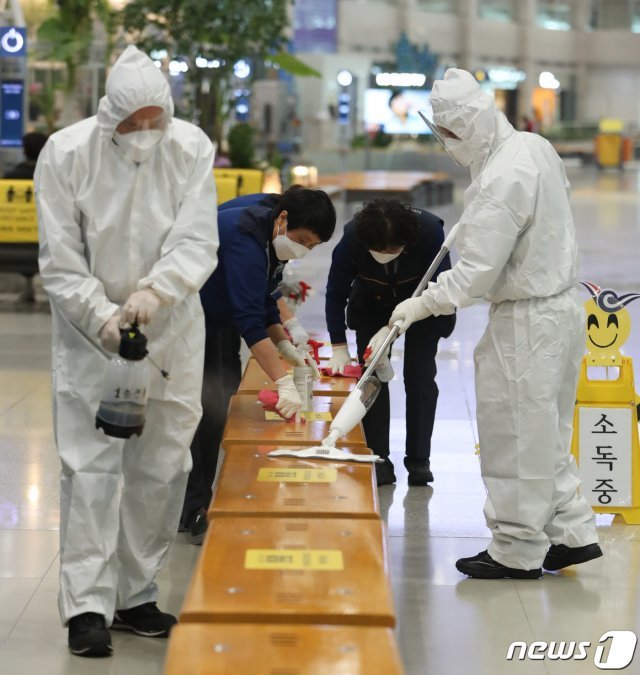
<point x="324" y="452"/>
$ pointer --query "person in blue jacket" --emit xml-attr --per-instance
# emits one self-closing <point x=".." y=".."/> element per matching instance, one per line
<point x="382" y="256"/>
<point x="258" y="234"/>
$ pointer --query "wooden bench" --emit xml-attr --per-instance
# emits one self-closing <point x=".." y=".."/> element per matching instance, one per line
<point x="255" y="379"/>
<point x="291" y="570"/>
<point x="263" y="649"/>
<point x="253" y="484"/>
<point x="247" y="425"/>
<point x="419" y="188"/>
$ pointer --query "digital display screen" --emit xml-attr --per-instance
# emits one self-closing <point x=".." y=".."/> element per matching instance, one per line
<point x="395" y="111"/>
<point x="12" y="107"/>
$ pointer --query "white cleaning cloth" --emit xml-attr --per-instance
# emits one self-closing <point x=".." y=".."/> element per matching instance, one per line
<point x="324" y="452"/>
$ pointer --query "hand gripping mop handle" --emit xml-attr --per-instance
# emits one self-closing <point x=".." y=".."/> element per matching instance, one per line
<point x="393" y="334"/>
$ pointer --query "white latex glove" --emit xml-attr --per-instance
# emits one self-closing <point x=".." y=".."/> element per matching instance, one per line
<point x="384" y="370"/>
<point x="289" y="401"/>
<point x="339" y="358"/>
<point x="110" y="334"/>
<point x="290" y="353"/>
<point x="298" y="334"/>
<point x="407" y="312"/>
<point x="295" y="357"/>
<point x="141" y="306"/>
<point x="376" y="341"/>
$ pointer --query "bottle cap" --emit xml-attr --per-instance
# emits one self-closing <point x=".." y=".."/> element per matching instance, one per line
<point x="133" y="344"/>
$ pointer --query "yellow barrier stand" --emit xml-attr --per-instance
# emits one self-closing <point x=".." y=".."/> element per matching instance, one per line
<point x="605" y="443"/>
<point x="249" y="181"/>
<point x="226" y="187"/>
<point x="18" y="219"/>
<point x="605" y="424"/>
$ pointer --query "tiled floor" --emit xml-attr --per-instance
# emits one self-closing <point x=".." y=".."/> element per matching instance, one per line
<point x="447" y="623"/>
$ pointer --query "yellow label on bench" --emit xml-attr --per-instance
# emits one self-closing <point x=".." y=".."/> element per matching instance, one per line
<point x="283" y="559"/>
<point x="326" y="416"/>
<point x="18" y="220"/>
<point x="298" y="475"/>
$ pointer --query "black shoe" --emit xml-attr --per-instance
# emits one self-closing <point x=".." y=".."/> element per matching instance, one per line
<point x="384" y="472"/>
<point x="146" y="620"/>
<point x="198" y="527"/>
<point x="483" y="566"/>
<point x="560" y="556"/>
<point x="419" y="471"/>
<point x="88" y="635"/>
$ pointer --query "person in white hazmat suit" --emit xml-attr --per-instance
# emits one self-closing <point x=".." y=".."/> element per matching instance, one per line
<point x="128" y="231"/>
<point x="517" y="249"/>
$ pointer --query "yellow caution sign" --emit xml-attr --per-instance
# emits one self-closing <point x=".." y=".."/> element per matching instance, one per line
<point x="605" y="423"/>
<point x="326" y="416"/>
<point x="605" y="443"/>
<point x="298" y="475"/>
<point x="18" y="220"/>
<point x="284" y="559"/>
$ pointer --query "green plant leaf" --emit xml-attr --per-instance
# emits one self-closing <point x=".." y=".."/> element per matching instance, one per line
<point x="55" y="31"/>
<point x="294" y="65"/>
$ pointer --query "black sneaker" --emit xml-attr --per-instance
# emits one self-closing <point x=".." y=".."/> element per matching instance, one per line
<point x="560" y="556"/>
<point x="419" y="471"/>
<point x="384" y="472"/>
<point x="88" y="635"/>
<point x="483" y="566"/>
<point x="198" y="527"/>
<point x="146" y="620"/>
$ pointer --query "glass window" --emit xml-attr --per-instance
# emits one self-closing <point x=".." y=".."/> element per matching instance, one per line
<point x="498" y="10"/>
<point x="439" y="6"/>
<point x="615" y="15"/>
<point x="554" y="14"/>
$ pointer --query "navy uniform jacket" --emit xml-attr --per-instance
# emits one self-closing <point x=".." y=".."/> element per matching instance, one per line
<point x="370" y="290"/>
<point x="248" y="272"/>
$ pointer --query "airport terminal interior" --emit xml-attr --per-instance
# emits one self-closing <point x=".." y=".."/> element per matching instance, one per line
<point x="446" y="622"/>
<point x="565" y="70"/>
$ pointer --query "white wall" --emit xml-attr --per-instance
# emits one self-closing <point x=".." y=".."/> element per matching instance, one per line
<point x="605" y="64"/>
<point x="613" y="92"/>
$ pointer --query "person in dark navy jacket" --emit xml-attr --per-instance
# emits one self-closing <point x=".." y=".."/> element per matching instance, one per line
<point x="382" y="256"/>
<point x="258" y="234"/>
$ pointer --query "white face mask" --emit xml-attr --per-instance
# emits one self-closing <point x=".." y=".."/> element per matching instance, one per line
<point x="287" y="249"/>
<point x="139" y="145"/>
<point x="459" y="150"/>
<point x="384" y="258"/>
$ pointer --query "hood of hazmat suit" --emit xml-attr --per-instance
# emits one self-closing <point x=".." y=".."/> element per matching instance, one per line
<point x="517" y="249"/>
<point x="108" y="226"/>
<point x="516" y="237"/>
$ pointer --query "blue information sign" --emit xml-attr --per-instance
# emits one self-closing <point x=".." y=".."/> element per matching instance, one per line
<point x="12" y="107"/>
<point x="13" y="42"/>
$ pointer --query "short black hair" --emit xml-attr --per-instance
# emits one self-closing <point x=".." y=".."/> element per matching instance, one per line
<point x="32" y="143"/>
<point x="386" y="223"/>
<point x="308" y="208"/>
<point x="394" y="95"/>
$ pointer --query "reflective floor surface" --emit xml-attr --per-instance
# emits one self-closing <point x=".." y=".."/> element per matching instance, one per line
<point x="446" y="622"/>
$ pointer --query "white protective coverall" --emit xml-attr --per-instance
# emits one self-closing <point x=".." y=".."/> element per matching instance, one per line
<point x="517" y="249"/>
<point x="109" y="227"/>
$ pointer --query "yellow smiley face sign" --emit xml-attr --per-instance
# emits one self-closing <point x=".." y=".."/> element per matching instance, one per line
<point x="608" y="324"/>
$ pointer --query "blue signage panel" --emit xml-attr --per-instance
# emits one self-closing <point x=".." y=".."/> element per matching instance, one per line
<point x="13" y="42"/>
<point x="12" y="107"/>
